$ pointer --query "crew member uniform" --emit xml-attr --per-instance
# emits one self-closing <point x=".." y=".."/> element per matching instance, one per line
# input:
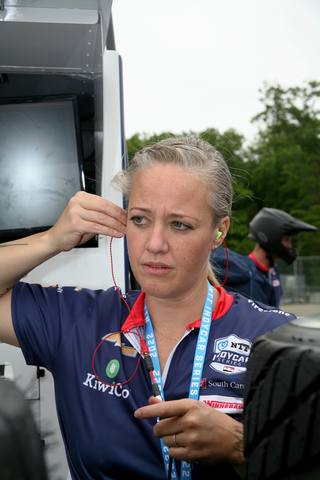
<point x="272" y="275"/>
<point x="61" y="329"/>
<point x="241" y="274"/>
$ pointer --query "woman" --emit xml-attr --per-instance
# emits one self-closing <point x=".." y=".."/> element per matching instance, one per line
<point x="179" y="195"/>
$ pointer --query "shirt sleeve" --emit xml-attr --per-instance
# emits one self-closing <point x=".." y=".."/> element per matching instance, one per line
<point x="43" y="315"/>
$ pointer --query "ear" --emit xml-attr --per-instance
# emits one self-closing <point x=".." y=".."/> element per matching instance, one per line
<point x="221" y="232"/>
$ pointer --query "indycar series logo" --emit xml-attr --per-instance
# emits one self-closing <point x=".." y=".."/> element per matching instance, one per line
<point x="231" y="355"/>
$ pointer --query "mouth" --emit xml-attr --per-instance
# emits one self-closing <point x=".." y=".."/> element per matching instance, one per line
<point x="156" y="268"/>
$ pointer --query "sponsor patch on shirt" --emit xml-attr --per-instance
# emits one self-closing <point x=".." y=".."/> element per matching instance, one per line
<point x="224" y="404"/>
<point x="268" y="310"/>
<point x="231" y="355"/>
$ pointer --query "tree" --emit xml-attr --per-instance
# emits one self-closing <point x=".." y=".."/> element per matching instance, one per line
<point x="286" y="156"/>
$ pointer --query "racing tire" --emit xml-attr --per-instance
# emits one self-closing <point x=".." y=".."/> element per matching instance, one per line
<point x="282" y="403"/>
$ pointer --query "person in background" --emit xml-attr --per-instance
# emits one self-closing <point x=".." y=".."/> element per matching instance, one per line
<point x="257" y="276"/>
<point x="273" y="229"/>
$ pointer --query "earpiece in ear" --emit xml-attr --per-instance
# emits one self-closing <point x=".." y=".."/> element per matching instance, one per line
<point x="219" y="235"/>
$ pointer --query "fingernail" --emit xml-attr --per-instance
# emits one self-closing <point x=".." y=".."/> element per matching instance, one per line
<point x="137" y="414"/>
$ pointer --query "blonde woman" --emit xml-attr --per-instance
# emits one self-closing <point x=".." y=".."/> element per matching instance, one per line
<point x="179" y="196"/>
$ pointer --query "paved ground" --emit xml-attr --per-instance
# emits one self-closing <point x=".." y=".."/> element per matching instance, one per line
<point x="301" y="309"/>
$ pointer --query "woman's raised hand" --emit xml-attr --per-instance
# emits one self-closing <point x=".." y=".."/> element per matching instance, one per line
<point x="85" y="216"/>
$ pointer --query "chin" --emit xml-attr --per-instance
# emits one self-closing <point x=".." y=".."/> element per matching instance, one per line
<point x="156" y="288"/>
<point x="170" y="292"/>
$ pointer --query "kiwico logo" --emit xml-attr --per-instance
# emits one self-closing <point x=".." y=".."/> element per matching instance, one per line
<point x="231" y="355"/>
<point x="113" y="368"/>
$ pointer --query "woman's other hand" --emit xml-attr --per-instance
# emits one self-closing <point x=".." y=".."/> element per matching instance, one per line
<point x="85" y="216"/>
<point x="203" y="434"/>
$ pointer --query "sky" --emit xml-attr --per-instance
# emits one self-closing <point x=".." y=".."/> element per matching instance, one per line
<point x="195" y="64"/>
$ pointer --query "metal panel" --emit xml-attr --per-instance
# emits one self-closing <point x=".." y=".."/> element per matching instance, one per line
<point x="48" y="48"/>
<point x="48" y="15"/>
<point x="19" y="371"/>
<point x="39" y="36"/>
<point x="83" y="4"/>
<point x="39" y="392"/>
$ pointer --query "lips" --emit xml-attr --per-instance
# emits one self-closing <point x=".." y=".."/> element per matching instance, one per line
<point x="156" y="268"/>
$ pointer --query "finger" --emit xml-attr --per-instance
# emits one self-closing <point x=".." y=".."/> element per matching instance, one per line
<point x="154" y="400"/>
<point x="88" y="229"/>
<point x="165" y="410"/>
<point x="174" y="440"/>
<point x="102" y="205"/>
<point x="100" y="223"/>
<point x="178" y="451"/>
<point x="100" y="215"/>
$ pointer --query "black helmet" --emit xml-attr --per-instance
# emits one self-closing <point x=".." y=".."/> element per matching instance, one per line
<point x="268" y="227"/>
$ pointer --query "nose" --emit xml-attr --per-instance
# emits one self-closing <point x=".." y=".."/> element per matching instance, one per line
<point x="286" y="241"/>
<point x="157" y="241"/>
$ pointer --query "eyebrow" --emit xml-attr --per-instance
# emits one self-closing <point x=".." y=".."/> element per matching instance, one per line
<point x="172" y="215"/>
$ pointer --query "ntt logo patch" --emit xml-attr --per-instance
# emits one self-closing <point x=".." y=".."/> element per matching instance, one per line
<point x="230" y="355"/>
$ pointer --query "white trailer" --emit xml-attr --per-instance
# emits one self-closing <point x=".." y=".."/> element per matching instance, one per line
<point x="63" y="48"/>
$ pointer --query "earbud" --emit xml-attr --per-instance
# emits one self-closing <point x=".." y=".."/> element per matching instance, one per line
<point x="219" y="235"/>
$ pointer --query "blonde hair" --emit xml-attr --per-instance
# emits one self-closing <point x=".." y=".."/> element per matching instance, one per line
<point x="196" y="156"/>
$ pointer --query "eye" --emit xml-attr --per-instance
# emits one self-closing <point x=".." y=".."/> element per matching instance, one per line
<point x="139" y="220"/>
<point x="180" y="226"/>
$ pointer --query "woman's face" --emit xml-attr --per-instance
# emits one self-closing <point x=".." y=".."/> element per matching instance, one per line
<point x="170" y="232"/>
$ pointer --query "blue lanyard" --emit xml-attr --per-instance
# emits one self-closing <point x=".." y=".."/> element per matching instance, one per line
<point x="198" y="362"/>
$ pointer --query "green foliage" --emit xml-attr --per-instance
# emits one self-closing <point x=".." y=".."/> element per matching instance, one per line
<point x="280" y="169"/>
<point x="287" y="156"/>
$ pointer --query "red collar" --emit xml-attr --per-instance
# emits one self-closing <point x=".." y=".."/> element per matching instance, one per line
<point x="136" y="318"/>
<point x="254" y="258"/>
